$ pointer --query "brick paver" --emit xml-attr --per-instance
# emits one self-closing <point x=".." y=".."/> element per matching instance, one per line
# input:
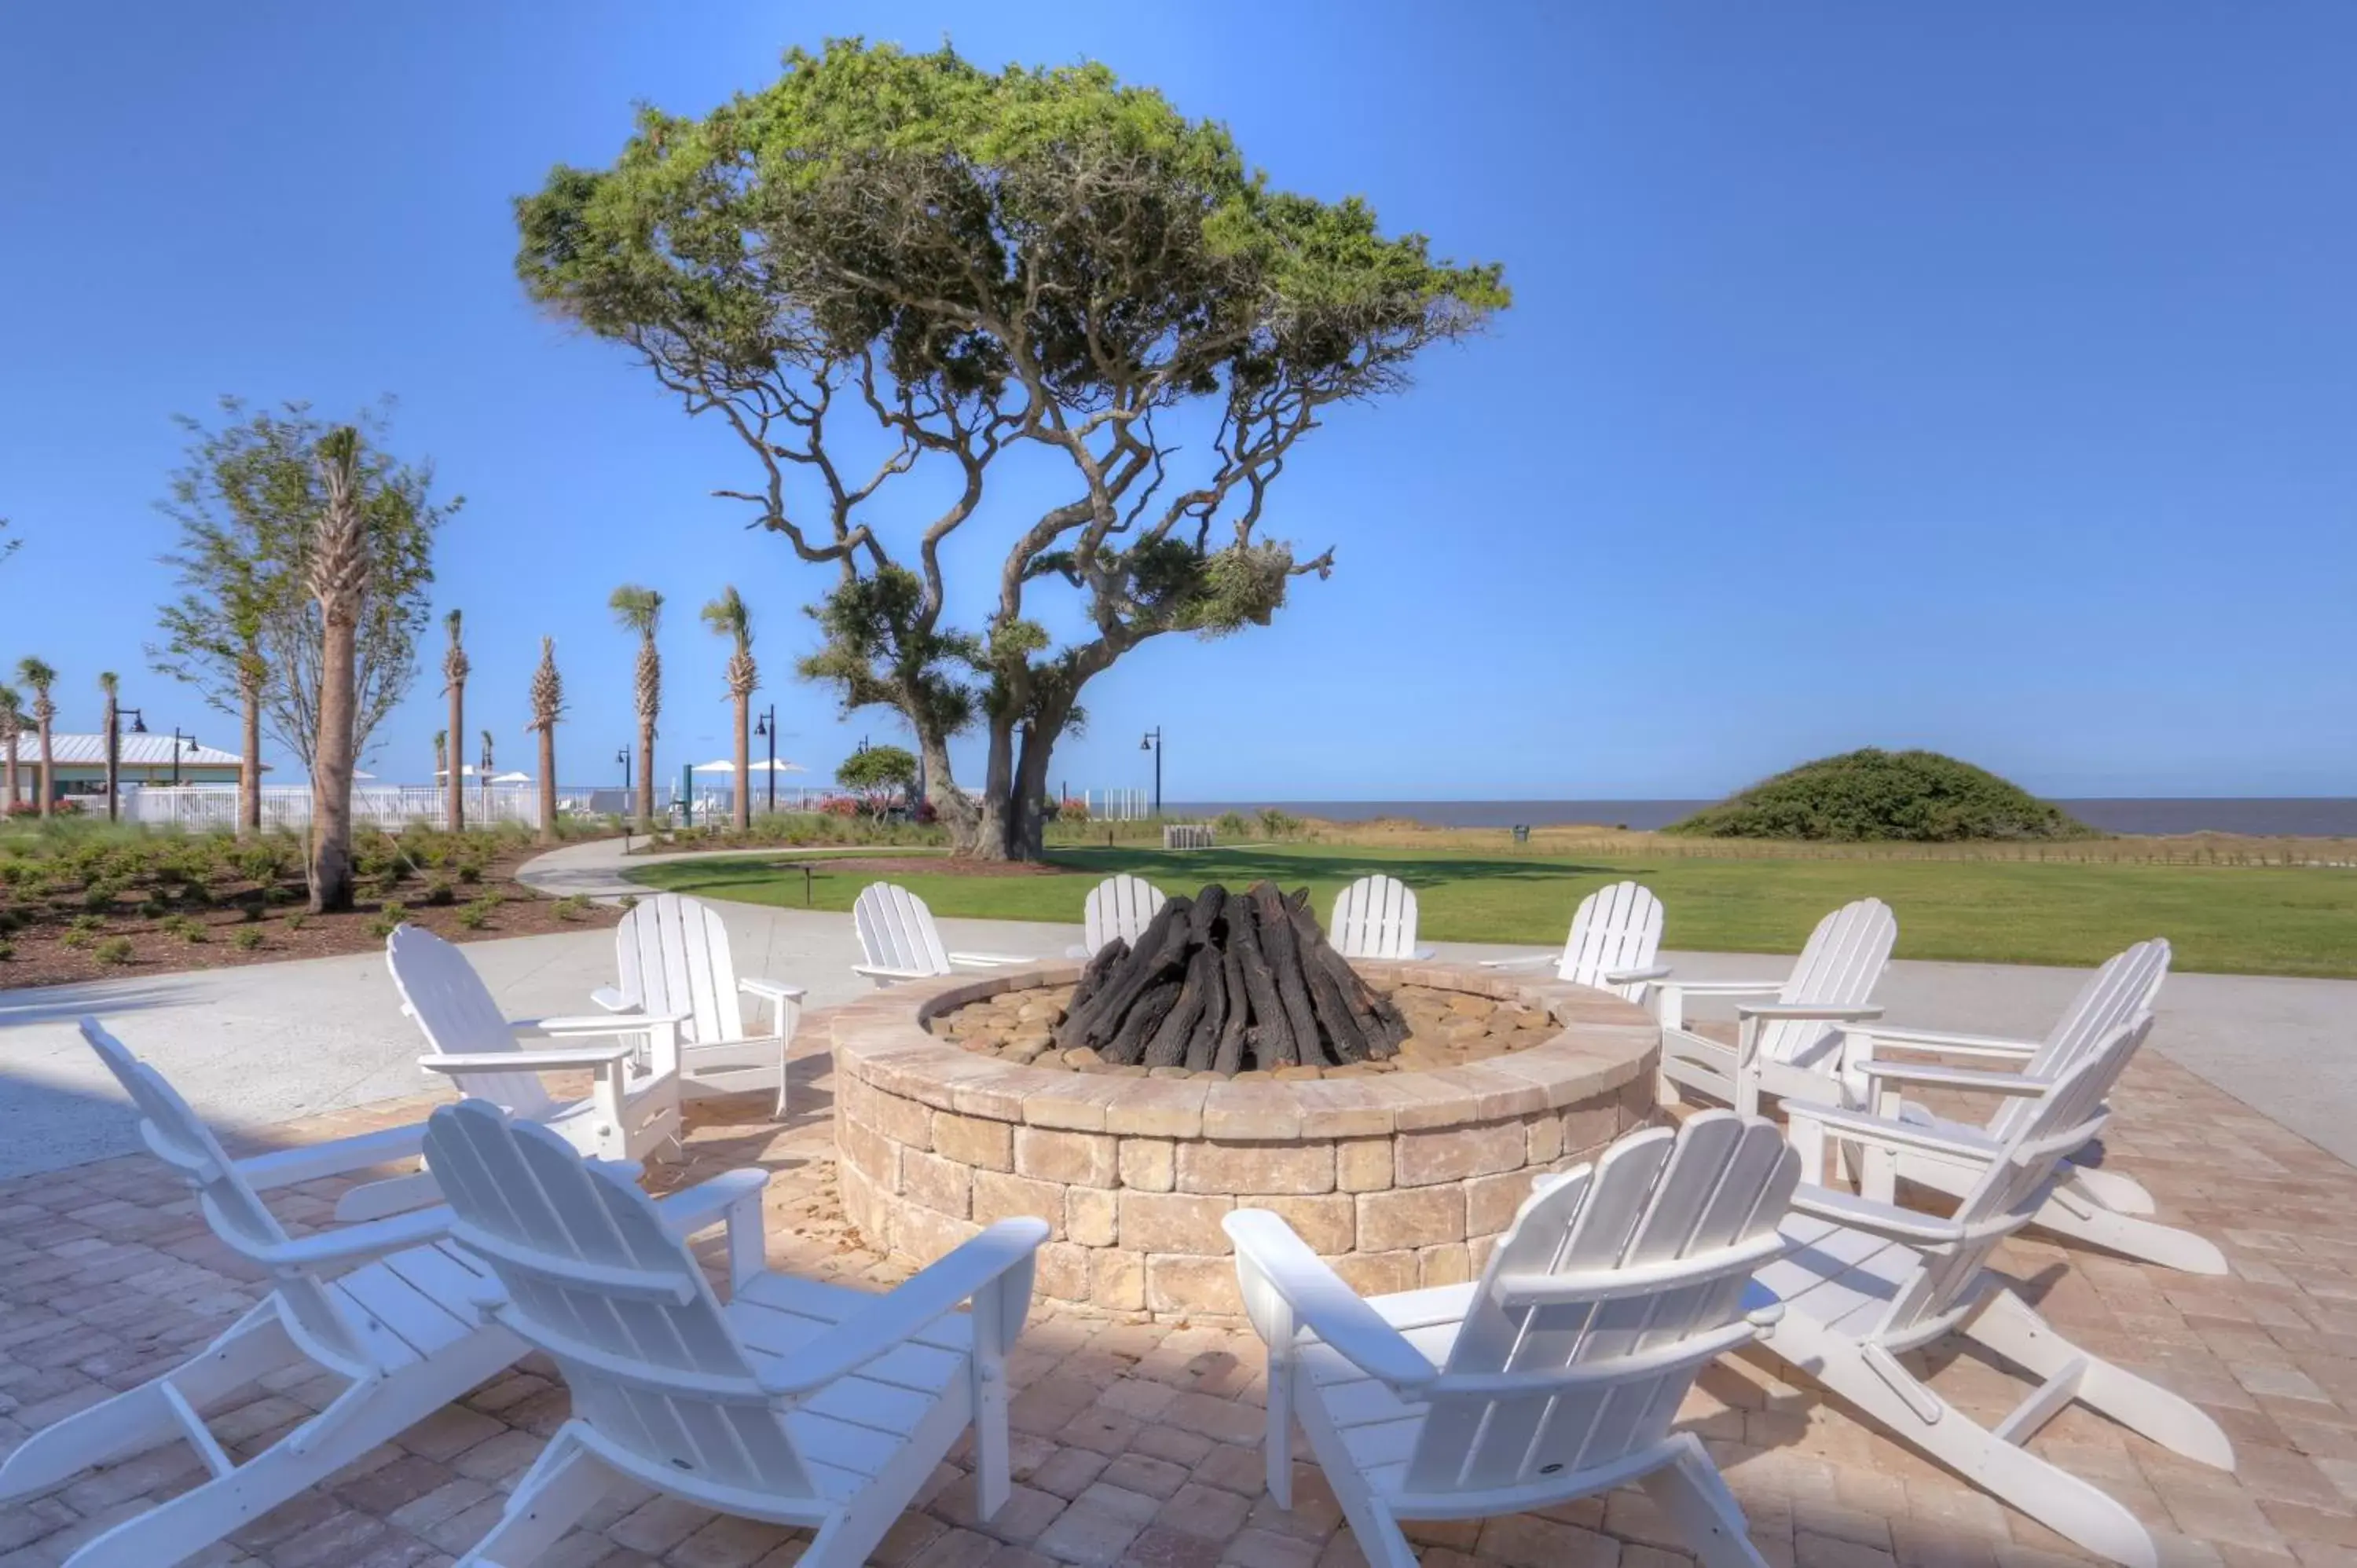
<point x="1134" y="1441"/>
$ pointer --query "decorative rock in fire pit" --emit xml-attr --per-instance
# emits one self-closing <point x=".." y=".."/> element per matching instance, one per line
<point x="1230" y="983"/>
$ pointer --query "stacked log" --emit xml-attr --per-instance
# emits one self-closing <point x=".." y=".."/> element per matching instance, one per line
<point x="1230" y="983"/>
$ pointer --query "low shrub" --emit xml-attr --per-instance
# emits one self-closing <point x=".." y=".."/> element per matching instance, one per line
<point x="477" y="913"/>
<point x="439" y="891"/>
<point x="1231" y="826"/>
<point x="114" y="953"/>
<point x="389" y="919"/>
<point x="1874" y="795"/>
<point x="295" y="921"/>
<point x="570" y="907"/>
<point x="245" y="939"/>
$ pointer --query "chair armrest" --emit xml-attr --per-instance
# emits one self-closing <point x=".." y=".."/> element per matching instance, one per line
<point x="991" y="960"/>
<point x="1268" y="1253"/>
<point x="287" y="1167"/>
<point x="1630" y="976"/>
<point x="354" y="1243"/>
<point x="884" y="972"/>
<point x="1880" y="1218"/>
<point x="733" y="1196"/>
<point x="1520" y="961"/>
<point x="1830" y="1012"/>
<point x="528" y="1061"/>
<point x="597" y="1024"/>
<point x="771" y="990"/>
<point x="1937" y="1077"/>
<point x="1963" y="1044"/>
<point x="935" y="1292"/>
<point x="1862" y="1127"/>
<point x="611" y="1000"/>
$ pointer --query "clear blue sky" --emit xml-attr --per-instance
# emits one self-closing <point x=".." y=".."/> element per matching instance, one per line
<point x="1981" y="376"/>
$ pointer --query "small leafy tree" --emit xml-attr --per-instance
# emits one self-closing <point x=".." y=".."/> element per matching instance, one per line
<point x="247" y="630"/>
<point x="879" y="776"/>
<point x="887" y="263"/>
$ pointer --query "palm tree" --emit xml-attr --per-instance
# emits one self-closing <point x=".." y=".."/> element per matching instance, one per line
<point x="641" y="610"/>
<point x="727" y="617"/>
<point x="453" y="682"/>
<point x="338" y="579"/>
<point x="547" y="707"/>
<point x="441" y="752"/>
<point x="12" y="725"/>
<point x="112" y="684"/>
<point x="40" y="678"/>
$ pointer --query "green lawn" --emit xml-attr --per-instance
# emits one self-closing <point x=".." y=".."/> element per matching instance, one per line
<point x="2236" y="919"/>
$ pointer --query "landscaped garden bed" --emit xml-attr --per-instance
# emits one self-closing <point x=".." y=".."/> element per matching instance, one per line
<point x="87" y="906"/>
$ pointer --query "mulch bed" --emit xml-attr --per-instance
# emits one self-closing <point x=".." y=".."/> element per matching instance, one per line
<point x="42" y="956"/>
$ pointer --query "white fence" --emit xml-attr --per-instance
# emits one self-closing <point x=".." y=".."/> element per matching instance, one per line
<point x="200" y="807"/>
<point x="1117" y="805"/>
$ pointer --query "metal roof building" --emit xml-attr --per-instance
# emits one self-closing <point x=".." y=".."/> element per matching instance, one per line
<point x="80" y="762"/>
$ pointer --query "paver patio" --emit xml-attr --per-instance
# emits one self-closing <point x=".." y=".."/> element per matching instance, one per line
<point x="1134" y="1441"/>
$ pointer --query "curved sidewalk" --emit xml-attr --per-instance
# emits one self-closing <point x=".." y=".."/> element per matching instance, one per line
<point x="594" y="869"/>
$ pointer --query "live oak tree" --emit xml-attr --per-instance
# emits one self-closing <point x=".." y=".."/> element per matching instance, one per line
<point x="888" y="272"/>
<point x="246" y="630"/>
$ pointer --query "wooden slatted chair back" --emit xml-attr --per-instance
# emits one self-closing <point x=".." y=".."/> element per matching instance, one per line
<point x="176" y="1135"/>
<point x="594" y="1280"/>
<point x="1615" y="927"/>
<point x="1840" y="966"/>
<point x="1374" y="917"/>
<point x="672" y="955"/>
<point x="1120" y="906"/>
<point x="459" y="1017"/>
<point x="2010" y="1192"/>
<point x="1614" y="1285"/>
<point x="897" y="931"/>
<point x="2128" y="984"/>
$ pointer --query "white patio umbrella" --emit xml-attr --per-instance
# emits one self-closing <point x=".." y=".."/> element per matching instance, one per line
<point x="510" y="778"/>
<point x="759" y="765"/>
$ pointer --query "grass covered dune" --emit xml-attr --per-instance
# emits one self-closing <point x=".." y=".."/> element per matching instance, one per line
<point x="2294" y="920"/>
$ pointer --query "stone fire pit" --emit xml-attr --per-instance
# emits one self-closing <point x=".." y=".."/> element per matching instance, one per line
<point x="1403" y="1173"/>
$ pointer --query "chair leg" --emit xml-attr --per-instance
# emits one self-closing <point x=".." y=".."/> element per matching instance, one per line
<point x="1373" y="1526"/>
<point x="142" y="1418"/>
<point x="563" y="1484"/>
<point x="2068" y="1213"/>
<point x="2006" y="1324"/>
<point x="2120" y="1194"/>
<point x="1910" y="1412"/>
<point x="1692" y="1492"/>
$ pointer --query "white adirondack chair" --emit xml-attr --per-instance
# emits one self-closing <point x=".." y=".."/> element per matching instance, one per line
<point x="671" y="954"/>
<point x="1375" y="918"/>
<point x="1557" y="1375"/>
<point x="2096" y="1206"/>
<point x="1120" y="906"/>
<point x="388" y="1307"/>
<point x="900" y="940"/>
<point x="633" y="1106"/>
<point x="795" y="1402"/>
<point x="1867" y="1283"/>
<point x="1790" y="1045"/>
<point x="1615" y="934"/>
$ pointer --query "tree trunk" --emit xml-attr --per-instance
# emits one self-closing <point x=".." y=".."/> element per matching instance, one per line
<point x="48" y="773"/>
<point x="646" y="774"/>
<point x="455" y="813"/>
<point x="8" y="770"/>
<point x="744" y="812"/>
<point x="113" y="763"/>
<point x="548" y="784"/>
<point x="249" y="772"/>
<point x="331" y="770"/>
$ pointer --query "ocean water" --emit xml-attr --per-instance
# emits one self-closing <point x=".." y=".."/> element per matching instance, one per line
<point x="2301" y="818"/>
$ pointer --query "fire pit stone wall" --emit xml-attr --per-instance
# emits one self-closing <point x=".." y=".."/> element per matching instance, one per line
<point x="1402" y="1179"/>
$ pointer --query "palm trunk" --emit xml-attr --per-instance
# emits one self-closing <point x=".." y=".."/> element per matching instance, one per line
<point x="646" y="775"/>
<point x="9" y="768"/>
<point x="48" y="773"/>
<point x="744" y="812"/>
<point x="455" y="814"/>
<point x="331" y="771"/>
<point x="548" y="783"/>
<point x="249" y="772"/>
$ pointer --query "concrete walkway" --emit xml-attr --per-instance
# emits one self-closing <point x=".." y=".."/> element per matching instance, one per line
<point x="258" y="1044"/>
<point x="595" y="869"/>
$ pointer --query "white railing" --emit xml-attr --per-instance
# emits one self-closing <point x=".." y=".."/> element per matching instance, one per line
<point x="205" y="807"/>
<point x="1118" y="805"/>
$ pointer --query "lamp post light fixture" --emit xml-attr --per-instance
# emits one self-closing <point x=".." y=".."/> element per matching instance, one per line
<point x="623" y="756"/>
<point x="1153" y="743"/>
<point x="767" y="725"/>
<point x="178" y="740"/>
<point x="114" y="751"/>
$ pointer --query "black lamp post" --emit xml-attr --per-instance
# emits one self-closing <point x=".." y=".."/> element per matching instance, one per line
<point x="767" y="725"/>
<point x="114" y="750"/>
<point x="623" y="756"/>
<point x="1153" y="743"/>
<point x="178" y="741"/>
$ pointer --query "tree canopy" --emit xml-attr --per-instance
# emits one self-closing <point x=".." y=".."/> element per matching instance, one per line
<point x="887" y="261"/>
<point x="878" y="775"/>
<point x="1869" y="795"/>
<point x="246" y="500"/>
